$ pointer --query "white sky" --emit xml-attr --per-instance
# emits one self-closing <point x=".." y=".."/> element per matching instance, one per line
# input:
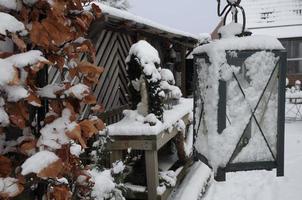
<point x="194" y="16"/>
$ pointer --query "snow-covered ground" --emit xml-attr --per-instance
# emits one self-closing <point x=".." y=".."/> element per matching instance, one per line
<point x="252" y="185"/>
<point x="264" y="185"/>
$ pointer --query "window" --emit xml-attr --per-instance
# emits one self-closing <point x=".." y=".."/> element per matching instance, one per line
<point x="294" y="54"/>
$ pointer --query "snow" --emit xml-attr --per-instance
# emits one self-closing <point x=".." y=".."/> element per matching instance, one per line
<point x="250" y="185"/>
<point x="218" y="148"/>
<point x="230" y="30"/>
<point x="10" y="4"/>
<point x="49" y="91"/>
<point x="76" y="149"/>
<point x="193" y="184"/>
<point x="30" y="2"/>
<point x="117" y="13"/>
<point x="38" y="162"/>
<point x="28" y="58"/>
<point x="118" y="167"/>
<point x="264" y="184"/>
<point x="259" y="42"/>
<point x="167" y="75"/>
<point x="53" y="134"/>
<point x="293" y="94"/>
<point x="15" y="93"/>
<point x="7" y="72"/>
<point x="148" y="58"/>
<point x="11" y="24"/>
<point x="169" y="178"/>
<point x="78" y="91"/>
<point x="175" y="92"/>
<point x="104" y="184"/>
<point x="4" y="119"/>
<point x="133" y="123"/>
<point x="9" y="186"/>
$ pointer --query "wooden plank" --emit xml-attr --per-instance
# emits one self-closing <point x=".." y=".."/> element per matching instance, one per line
<point x="152" y="174"/>
<point x="133" y="144"/>
<point x="165" y="136"/>
<point x="183" y="71"/>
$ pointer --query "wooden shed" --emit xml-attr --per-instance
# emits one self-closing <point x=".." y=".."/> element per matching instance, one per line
<point x="112" y="37"/>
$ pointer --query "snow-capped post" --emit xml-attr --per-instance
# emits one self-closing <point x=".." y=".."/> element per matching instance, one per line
<point x="239" y="100"/>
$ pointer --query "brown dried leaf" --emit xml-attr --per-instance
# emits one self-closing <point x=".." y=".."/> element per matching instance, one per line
<point x="5" y="166"/>
<point x="88" y="128"/>
<point x="19" y="42"/>
<point x="52" y="170"/>
<point x="96" y="10"/>
<point x="57" y="60"/>
<point x="75" y="134"/>
<point x="8" y="193"/>
<point x="39" y="35"/>
<point x="88" y="68"/>
<point x="5" y="54"/>
<point x="18" y="114"/>
<point x="60" y="192"/>
<point x="99" y="124"/>
<point x="57" y="106"/>
<point x="28" y="147"/>
<point x="16" y="79"/>
<point x="34" y="100"/>
<point x="90" y="99"/>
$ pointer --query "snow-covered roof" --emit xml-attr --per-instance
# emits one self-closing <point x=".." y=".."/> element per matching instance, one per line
<point x="280" y="18"/>
<point x="131" y="20"/>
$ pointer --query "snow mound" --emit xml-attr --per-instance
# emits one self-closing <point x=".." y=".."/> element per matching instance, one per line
<point x="28" y="58"/>
<point x="38" y="162"/>
<point x="11" y="24"/>
<point x="167" y="75"/>
<point x="148" y="58"/>
<point x="104" y="184"/>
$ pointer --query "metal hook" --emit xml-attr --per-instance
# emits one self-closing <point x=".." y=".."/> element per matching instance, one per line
<point x="228" y="8"/>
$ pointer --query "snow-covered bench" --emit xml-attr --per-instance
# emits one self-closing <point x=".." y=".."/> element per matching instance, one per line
<point x="135" y="132"/>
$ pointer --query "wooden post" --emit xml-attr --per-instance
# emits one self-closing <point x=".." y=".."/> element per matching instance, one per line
<point x="183" y="71"/>
<point x="152" y="174"/>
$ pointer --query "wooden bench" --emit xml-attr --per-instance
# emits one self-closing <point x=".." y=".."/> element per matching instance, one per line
<point x="150" y="144"/>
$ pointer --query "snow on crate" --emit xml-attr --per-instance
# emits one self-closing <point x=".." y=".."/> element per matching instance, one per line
<point x="134" y="123"/>
<point x="38" y="162"/>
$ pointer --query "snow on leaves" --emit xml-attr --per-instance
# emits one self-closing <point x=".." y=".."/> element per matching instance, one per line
<point x="34" y="35"/>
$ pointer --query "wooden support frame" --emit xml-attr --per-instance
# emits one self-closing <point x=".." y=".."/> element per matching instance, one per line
<point x="150" y="144"/>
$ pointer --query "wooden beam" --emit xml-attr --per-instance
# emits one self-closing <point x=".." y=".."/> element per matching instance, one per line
<point x="183" y="71"/>
<point x="152" y="174"/>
